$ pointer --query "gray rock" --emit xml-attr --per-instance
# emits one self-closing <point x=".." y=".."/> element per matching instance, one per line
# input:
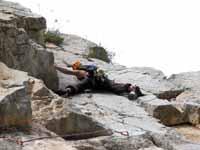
<point x="187" y="80"/>
<point x="193" y="113"/>
<point x="37" y="140"/>
<point x="110" y="122"/>
<point x="160" y="100"/>
<point x="137" y="142"/>
<point x="169" y="113"/>
<point x="190" y="98"/>
<point x="116" y="113"/>
<point x="119" y="114"/>
<point x="149" y="79"/>
<point x="151" y="148"/>
<point x="21" y="17"/>
<point x="15" y="106"/>
<point x="103" y="112"/>
<point x="20" y="33"/>
<point x="55" y="114"/>
<point x="76" y="44"/>
<point x="173" y="141"/>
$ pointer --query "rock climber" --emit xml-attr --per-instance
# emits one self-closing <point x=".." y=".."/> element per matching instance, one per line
<point x="93" y="78"/>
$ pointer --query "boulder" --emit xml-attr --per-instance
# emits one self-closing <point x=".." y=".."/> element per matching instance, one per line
<point x="20" y="39"/>
<point x="15" y="15"/>
<point x="15" y="103"/>
<point x="169" y="113"/>
<point x="190" y="98"/>
<point x="55" y="114"/>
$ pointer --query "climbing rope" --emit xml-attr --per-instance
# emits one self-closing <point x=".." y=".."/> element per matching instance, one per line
<point x="66" y="136"/>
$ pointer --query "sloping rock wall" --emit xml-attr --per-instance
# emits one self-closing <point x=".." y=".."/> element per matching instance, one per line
<point x="118" y="114"/>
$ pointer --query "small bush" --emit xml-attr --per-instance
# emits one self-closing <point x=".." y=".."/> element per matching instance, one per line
<point x="53" y="36"/>
<point x="100" y="53"/>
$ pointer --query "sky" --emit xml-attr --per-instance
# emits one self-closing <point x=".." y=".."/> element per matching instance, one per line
<point x="153" y="33"/>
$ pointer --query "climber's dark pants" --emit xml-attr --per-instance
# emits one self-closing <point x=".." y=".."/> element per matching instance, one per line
<point x="94" y="84"/>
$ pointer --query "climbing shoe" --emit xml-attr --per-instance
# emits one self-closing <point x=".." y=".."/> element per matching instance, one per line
<point x="138" y="91"/>
<point x="132" y="96"/>
<point x="67" y="92"/>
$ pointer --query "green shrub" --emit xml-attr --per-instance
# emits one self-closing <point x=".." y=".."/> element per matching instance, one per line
<point x="100" y="53"/>
<point x="53" y="36"/>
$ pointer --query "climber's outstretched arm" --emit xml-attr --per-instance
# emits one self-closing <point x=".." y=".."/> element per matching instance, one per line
<point x="77" y="73"/>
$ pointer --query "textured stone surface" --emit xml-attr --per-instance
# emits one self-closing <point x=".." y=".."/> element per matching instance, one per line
<point x="190" y="132"/>
<point x="37" y="131"/>
<point x="19" y="35"/>
<point x="191" y="97"/>
<point x="113" y="143"/>
<point x="187" y="80"/>
<point x="116" y="113"/>
<point x="149" y="79"/>
<point x="55" y="114"/>
<point x="15" y="106"/>
<point x="169" y="113"/>
<point x="101" y="121"/>
<point x="161" y="100"/>
<point x="76" y="44"/>
<point x="15" y="15"/>
<point x="173" y="141"/>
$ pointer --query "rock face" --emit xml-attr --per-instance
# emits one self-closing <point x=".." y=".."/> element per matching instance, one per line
<point x="17" y="16"/>
<point x="191" y="97"/>
<point x="15" y="105"/>
<point x="118" y="114"/>
<point x="20" y="31"/>
<point x="97" y="121"/>
<point x="49" y="108"/>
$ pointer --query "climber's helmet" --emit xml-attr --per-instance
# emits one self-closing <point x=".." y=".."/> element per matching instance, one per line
<point x="76" y="65"/>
